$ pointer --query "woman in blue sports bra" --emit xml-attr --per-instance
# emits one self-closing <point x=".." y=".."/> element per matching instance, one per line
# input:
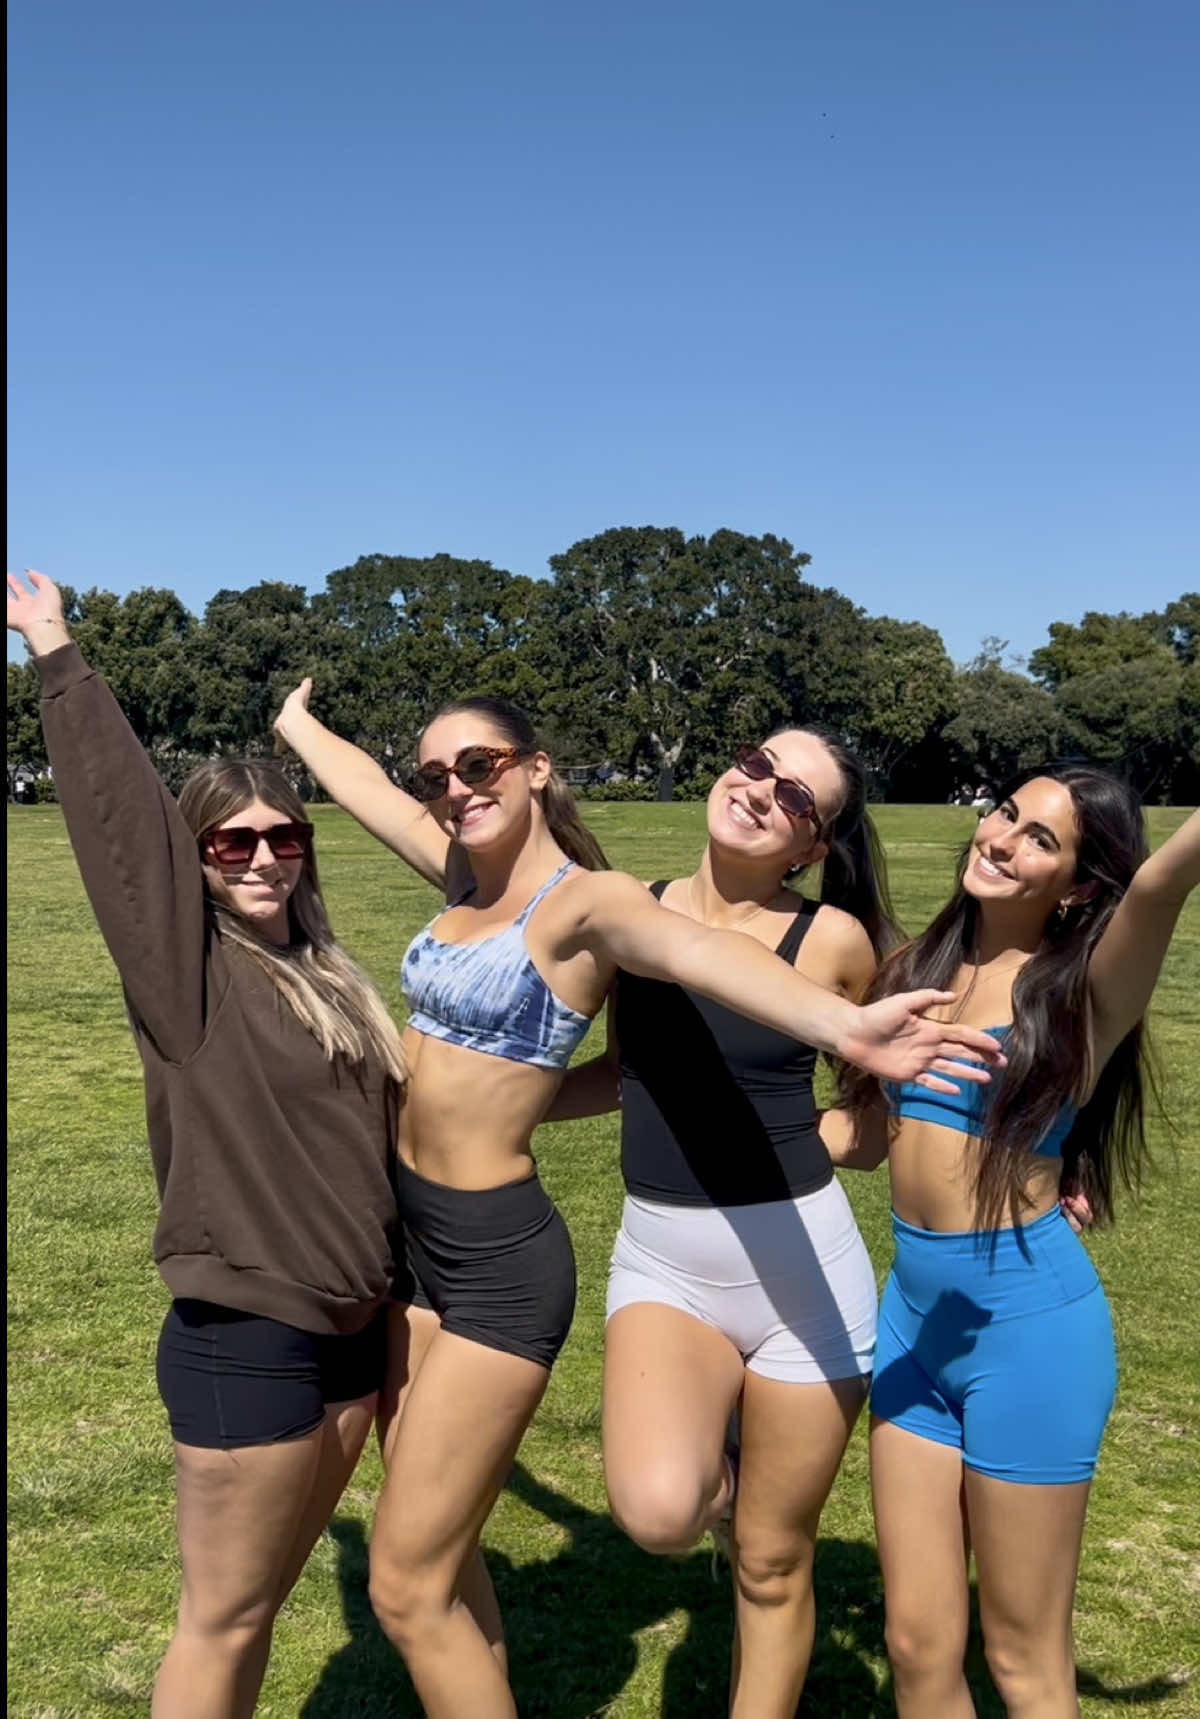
<point x="995" y="1367"/>
<point x="501" y="988"/>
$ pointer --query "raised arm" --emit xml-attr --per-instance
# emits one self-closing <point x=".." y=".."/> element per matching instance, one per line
<point x="363" y="789"/>
<point x="1128" y="958"/>
<point x="138" y="858"/>
<point x="622" y="925"/>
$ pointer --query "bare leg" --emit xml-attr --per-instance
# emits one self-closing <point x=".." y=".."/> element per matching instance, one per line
<point x="247" y="1521"/>
<point x="917" y="1490"/>
<point x="463" y="1417"/>
<point x="670" y="1385"/>
<point x="1027" y="1541"/>
<point x="793" y="1438"/>
<point x="410" y="1332"/>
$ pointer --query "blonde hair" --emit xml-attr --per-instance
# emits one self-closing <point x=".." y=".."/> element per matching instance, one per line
<point x="326" y="990"/>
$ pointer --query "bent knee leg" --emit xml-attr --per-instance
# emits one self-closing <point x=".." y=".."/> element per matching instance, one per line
<point x="662" y="1508"/>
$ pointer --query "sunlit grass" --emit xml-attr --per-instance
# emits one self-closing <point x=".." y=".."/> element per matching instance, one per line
<point x="595" y="1626"/>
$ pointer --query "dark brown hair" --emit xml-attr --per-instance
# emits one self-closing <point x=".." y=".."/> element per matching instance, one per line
<point x="1049" y="1048"/>
<point x="854" y="871"/>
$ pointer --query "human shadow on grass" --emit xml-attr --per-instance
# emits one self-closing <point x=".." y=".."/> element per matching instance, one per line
<point x="573" y="1621"/>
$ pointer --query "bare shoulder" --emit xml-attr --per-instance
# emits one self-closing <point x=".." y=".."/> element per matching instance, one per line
<point x="837" y="952"/>
<point x="590" y="893"/>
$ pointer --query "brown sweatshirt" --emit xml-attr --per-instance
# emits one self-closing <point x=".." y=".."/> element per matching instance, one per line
<point x="273" y="1163"/>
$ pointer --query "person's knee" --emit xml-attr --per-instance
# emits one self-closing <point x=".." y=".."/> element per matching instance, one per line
<point x="662" y="1509"/>
<point x="920" y="1646"/>
<point x="229" y="1622"/>
<point x="407" y="1599"/>
<point x="773" y="1572"/>
<point x="1027" y="1668"/>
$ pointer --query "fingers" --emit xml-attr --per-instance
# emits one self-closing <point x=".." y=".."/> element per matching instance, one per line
<point x="919" y="1001"/>
<point x="935" y="1083"/>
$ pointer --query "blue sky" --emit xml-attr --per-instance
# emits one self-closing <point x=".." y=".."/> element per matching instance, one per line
<point x="912" y="285"/>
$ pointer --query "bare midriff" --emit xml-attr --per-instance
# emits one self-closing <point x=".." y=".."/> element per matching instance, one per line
<point x="467" y="1117"/>
<point x="933" y="1172"/>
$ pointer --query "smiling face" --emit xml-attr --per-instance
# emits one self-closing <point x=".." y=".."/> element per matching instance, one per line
<point x="259" y="890"/>
<point x="1026" y="852"/>
<point x="491" y="812"/>
<point x="745" y="819"/>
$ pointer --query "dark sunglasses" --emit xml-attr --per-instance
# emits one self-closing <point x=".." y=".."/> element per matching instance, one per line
<point x="473" y="766"/>
<point x="792" y="797"/>
<point x="236" y="847"/>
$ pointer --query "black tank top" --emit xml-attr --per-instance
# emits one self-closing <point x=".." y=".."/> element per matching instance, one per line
<point x="716" y="1110"/>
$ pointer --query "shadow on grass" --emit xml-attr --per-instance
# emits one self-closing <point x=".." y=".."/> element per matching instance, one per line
<point x="573" y="1621"/>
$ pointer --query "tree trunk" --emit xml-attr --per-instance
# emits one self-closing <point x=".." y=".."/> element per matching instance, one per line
<point x="666" y="781"/>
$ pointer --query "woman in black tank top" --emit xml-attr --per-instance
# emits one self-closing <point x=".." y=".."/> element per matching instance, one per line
<point x="741" y="1293"/>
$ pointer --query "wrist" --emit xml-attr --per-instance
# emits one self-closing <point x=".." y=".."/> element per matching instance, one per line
<point x="848" y="1027"/>
<point x="45" y="635"/>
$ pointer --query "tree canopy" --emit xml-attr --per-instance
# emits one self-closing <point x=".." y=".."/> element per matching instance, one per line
<point x="648" y="652"/>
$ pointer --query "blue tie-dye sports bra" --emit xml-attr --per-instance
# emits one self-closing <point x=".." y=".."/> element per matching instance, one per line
<point x="489" y="996"/>
<point x="966" y="1109"/>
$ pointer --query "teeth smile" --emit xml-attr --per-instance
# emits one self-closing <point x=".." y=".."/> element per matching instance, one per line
<point x="742" y="816"/>
<point x="988" y="869"/>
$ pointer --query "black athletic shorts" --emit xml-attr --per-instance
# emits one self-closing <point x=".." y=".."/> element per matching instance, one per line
<point x="495" y="1264"/>
<point x="230" y="1378"/>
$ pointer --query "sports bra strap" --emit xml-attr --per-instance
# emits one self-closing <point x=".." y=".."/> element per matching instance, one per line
<point x="545" y="889"/>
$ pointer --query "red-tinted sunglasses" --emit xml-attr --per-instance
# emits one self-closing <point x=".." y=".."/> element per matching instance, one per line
<point x="236" y="847"/>
<point x="793" y="797"/>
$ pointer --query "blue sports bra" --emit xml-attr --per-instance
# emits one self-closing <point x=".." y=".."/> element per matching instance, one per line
<point x="489" y="996"/>
<point x="965" y="1109"/>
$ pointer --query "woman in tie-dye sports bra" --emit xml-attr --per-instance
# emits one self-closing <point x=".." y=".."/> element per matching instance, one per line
<point x="501" y="987"/>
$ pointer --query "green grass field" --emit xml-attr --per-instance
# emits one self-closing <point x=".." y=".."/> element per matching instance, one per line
<point x="595" y="1626"/>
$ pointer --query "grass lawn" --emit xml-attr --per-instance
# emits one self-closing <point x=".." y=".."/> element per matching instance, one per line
<point x="595" y="1626"/>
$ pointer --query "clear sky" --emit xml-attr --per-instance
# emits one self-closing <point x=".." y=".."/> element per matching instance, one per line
<point x="912" y="283"/>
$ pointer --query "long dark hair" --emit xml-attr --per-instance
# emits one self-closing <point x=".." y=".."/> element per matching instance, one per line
<point x="1049" y="1049"/>
<point x="854" y="872"/>
<point x="558" y="802"/>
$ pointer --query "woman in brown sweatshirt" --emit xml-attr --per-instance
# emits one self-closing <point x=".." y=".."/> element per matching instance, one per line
<point x="273" y="1074"/>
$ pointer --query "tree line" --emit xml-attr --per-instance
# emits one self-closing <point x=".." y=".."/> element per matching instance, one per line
<point x="647" y="655"/>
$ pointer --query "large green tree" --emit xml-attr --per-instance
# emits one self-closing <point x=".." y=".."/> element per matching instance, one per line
<point x="1004" y="722"/>
<point x="906" y="693"/>
<point x="668" y="647"/>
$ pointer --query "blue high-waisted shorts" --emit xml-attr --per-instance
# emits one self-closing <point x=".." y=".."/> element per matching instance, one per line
<point x="999" y="1343"/>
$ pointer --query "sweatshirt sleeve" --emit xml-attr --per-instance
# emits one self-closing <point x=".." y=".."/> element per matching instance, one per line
<point x="138" y="859"/>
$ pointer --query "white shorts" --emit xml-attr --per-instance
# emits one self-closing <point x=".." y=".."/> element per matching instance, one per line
<point x="789" y="1282"/>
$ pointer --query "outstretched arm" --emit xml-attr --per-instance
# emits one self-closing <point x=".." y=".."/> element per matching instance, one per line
<point x="622" y="925"/>
<point x="363" y="789"/>
<point x="1128" y="958"/>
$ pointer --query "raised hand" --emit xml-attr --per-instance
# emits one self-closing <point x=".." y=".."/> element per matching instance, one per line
<point x="36" y="614"/>
<point x="295" y="704"/>
<point x="895" y="1041"/>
